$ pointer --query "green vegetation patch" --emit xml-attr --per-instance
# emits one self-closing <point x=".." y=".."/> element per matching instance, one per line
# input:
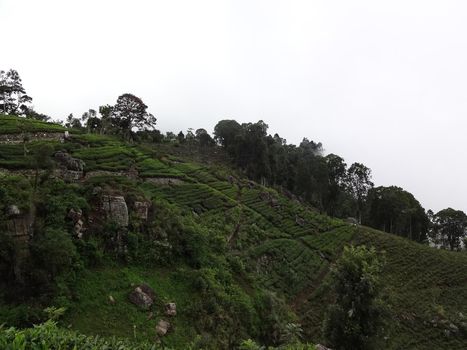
<point x="17" y="125"/>
<point x="94" y="314"/>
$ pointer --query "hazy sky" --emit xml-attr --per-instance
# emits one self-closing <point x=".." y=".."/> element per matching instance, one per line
<point x="379" y="82"/>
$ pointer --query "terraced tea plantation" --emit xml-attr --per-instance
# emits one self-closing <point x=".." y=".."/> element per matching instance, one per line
<point x="280" y="244"/>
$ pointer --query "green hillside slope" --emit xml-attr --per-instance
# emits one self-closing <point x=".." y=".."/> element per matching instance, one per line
<point x="235" y="248"/>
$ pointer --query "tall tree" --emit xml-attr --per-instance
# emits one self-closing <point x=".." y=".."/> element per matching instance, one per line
<point x="130" y="112"/>
<point x="394" y="210"/>
<point x="13" y="97"/>
<point x="72" y="122"/>
<point x="337" y="174"/>
<point x="203" y="138"/>
<point x="449" y="228"/>
<point x="89" y="120"/>
<point x="226" y="131"/>
<point x="359" y="182"/>
<point x="106" y="118"/>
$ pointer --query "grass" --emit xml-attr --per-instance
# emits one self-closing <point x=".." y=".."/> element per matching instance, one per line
<point x="94" y="314"/>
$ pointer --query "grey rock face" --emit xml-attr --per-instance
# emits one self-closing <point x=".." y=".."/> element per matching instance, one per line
<point x="116" y="209"/>
<point x="68" y="161"/>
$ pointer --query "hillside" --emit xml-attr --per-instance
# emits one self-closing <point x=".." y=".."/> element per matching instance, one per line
<point x="237" y="258"/>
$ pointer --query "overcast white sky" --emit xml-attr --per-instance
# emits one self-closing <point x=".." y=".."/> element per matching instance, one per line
<point x="379" y="82"/>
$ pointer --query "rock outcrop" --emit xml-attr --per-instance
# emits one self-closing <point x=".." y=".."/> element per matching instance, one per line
<point x="116" y="209"/>
<point x="171" y="309"/>
<point x="70" y="168"/>
<point x="76" y="216"/>
<point x="66" y="160"/>
<point x="142" y="296"/>
<point x="19" y="225"/>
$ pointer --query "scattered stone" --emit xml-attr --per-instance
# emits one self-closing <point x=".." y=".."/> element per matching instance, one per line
<point x="116" y="209"/>
<point x="142" y="296"/>
<point x="461" y="315"/>
<point x="96" y="190"/>
<point x="351" y="221"/>
<point x="321" y="347"/>
<point x="265" y="196"/>
<point x="69" y="175"/>
<point x="150" y="316"/>
<point x="78" y="228"/>
<point x="453" y="328"/>
<point x="162" y="328"/>
<point x="13" y="210"/>
<point x="76" y="217"/>
<point x="75" y="214"/>
<point x="142" y="210"/>
<point x="299" y="221"/>
<point x="164" y="181"/>
<point x="112" y="300"/>
<point x="171" y="309"/>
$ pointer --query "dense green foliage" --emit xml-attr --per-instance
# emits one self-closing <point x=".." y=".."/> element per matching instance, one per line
<point x="449" y="228"/>
<point x="13" y="125"/>
<point x="355" y="316"/>
<point x="394" y="210"/>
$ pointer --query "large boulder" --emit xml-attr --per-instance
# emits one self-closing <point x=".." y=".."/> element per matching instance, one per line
<point x="116" y="209"/>
<point x="142" y="296"/>
<point x="162" y="328"/>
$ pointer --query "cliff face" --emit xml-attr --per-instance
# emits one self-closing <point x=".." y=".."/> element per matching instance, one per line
<point x="20" y="227"/>
<point x="116" y="209"/>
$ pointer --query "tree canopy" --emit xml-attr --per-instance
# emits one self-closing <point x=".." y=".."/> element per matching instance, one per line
<point x="13" y="97"/>
<point x="354" y="317"/>
<point x="130" y="112"/>
<point x="395" y="210"/>
<point x="449" y="228"/>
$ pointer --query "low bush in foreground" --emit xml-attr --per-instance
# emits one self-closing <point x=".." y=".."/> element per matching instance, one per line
<point x="49" y="336"/>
